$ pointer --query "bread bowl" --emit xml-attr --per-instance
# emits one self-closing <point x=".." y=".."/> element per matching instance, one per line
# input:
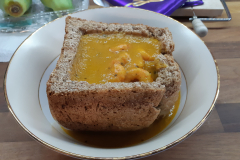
<point x="117" y="106"/>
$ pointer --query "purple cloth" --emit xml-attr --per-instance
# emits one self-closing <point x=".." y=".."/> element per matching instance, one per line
<point x="166" y="7"/>
<point x="193" y="3"/>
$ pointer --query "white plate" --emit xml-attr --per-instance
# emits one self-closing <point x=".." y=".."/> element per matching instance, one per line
<point x="34" y="55"/>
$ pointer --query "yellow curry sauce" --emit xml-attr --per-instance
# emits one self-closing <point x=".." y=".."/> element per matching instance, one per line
<point x="105" y="58"/>
<point x="124" y="139"/>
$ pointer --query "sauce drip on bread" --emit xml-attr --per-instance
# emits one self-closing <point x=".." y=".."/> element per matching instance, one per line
<point x="105" y="58"/>
<point x="124" y="139"/>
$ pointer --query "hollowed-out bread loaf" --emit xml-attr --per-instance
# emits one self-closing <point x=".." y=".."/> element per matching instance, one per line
<point x="170" y="77"/>
<point x="118" y="106"/>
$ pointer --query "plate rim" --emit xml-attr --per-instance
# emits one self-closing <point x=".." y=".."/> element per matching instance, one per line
<point x="158" y="150"/>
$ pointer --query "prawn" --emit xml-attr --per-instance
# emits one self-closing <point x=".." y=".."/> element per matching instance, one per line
<point x="146" y="56"/>
<point x="119" y="73"/>
<point x="118" y="70"/>
<point x="139" y="62"/>
<point x="138" y="74"/>
<point x="123" y="59"/>
<point x="119" y="48"/>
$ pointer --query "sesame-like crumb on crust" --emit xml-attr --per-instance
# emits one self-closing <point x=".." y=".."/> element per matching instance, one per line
<point x="115" y="106"/>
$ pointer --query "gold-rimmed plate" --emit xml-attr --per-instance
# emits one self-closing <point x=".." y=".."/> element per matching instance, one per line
<point x="33" y="57"/>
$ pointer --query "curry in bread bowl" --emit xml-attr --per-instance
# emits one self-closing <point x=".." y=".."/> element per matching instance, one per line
<point x="118" y="102"/>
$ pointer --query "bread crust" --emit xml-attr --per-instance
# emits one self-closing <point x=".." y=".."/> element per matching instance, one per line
<point x="170" y="77"/>
<point x="104" y="107"/>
